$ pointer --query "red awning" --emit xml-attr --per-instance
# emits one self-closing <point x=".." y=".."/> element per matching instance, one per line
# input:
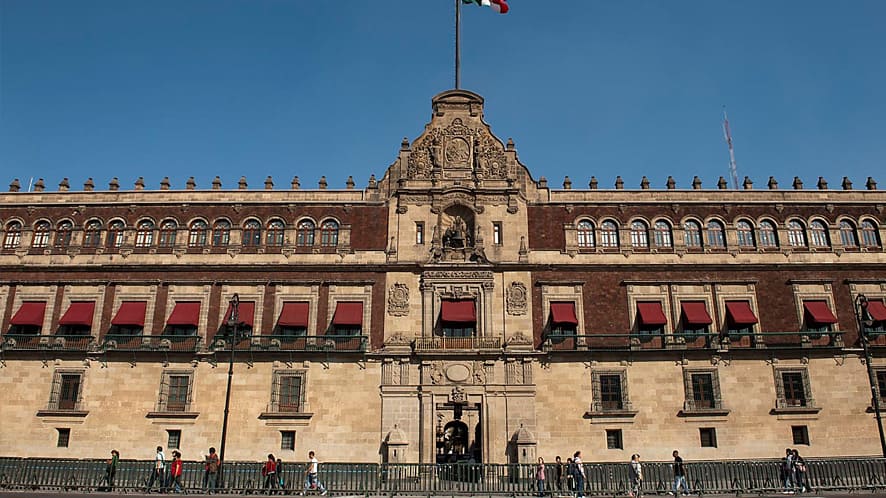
<point x="185" y="314"/>
<point x="294" y="315"/>
<point x="462" y="311"/>
<point x="79" y="314"/>
<point x="695" y="313"/>
<point x="651" y="314"/>
<point x="740" y="313"/>
<point x="31" y="313"/>
<point x="876" y="308"/>
<point x="348" y="314"/>
<point x="563" y="313"/>
<point x="819" y="312"/>
<point x="131" y="313"/>
<point x="246" y="313"/>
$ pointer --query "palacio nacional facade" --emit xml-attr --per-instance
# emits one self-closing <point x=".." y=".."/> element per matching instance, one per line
<point x="459" y="308"/>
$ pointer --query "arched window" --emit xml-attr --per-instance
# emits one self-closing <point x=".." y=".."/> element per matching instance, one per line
<point x="252" y="233"/>
<point x="848" y="236"/>
<point x="13" y="237"/>
<point x="715" y="237"/>
<point x="275" y="233"/>
<point x="585" y="233"/>
<point x="692" y="234"/>
<point x="305" y="233"/>
<point x="115" y="233"/>
<point x="609" y="234"/>
<point x="662" y="234"/>
<point x="745" y="234"/>
<point x="796" y="234"/>
<point x="197" y="233"/>
<point x="221" y="233"/>
<point x="329" y="233"/>
<point x="869" y="235"/>
<point x="767" y="234"/>
<point x="63" y="233"/>
<point x="144" y="234"/>
<point x="818" y="234"/>
<point x="92" y="233"/>
<point x="168" y="229"/>
<point x="41" y="234"/>
<point x="639" y="235"/>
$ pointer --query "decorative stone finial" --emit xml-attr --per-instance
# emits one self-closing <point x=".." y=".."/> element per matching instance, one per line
<point x="593" y="184"/>
<point x="241" y="184"/>
<point x="847" y="183"/>
<point x="373" y="183"/>
<point x="567" y="183"/>
<point x="404" y="144"/>
<point x="747" y="183"/>
<point x="510" y="144"/>
<point x="773" y="183"/>
<point x="89" y="185"/>
<point x="140" y="183"/>
<point x="871" y="184"/>
<point x="798" y="183"/>
<point x="191" y="184"/>
<point x="619" y="183"/>
<point x="349" y="183"/>
<point x="295" y="184"/>
<point x="165" y="184"/>
<point x="269" y="183"/>
<point x="64" y="185"/>
<point x="722" y="184"/>
<point x="644" y="183"/>
<point x="671" y="183"/>
<point x="216" y="183"/>
<point x="542" y="182"/>
<point x="39" y="186"/>
<point x="696" y="183"/>
<point x="323" y="183"/>
<point x="15" y="186"/>
<point x="822" y="183"/>
<point x="114" y="184"/>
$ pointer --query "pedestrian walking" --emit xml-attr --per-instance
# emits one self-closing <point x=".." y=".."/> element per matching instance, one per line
<point x="107" y="482"/>
<point x="269" y="472"/>
<point x="579" y="476"/>
<point x="158" y="474"/>
<point x="175" y="472"/>
<point x="280" y="479"/>
<point x="636" y="474"/>
<point x="570" y="475"/>
<point x="540" y="476"/>
<point x="210" y="471"/>
<point x="679" y="475"/>
<point x="787" y="471"/>
<point x="312" y="477"/>
<point x="799" y="471"/>
<point x="560" y="473"/>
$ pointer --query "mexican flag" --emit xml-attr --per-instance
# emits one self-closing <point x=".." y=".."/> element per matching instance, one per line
<point x="500" y="6"/>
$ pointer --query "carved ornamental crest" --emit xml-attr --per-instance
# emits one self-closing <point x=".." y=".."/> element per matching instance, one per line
<point x="398" y="300"/>
<point x="516" y="298"/>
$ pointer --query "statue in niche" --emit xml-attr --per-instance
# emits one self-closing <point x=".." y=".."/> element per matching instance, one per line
<point x="435" y="153"/>
<point x="456" y="235"/>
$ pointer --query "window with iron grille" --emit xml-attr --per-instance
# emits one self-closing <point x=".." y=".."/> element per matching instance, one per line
<point x="64" y="437"/>
<point x="800" y="434"/>
<point x="176" y="388"/>
<point x="287" y="440"/>
<point x="708" y="437"/>
<point x="662" y="234"/>
<point x="167" y="233"/>
<point x="173" y="439"/>
<point x="767" y="234"/>
<point x="692" y="234"/>
<point x="67" y="390"/>
<point x="13" y="236"/>
<point x="288" y="391"/>
<point x="614" y="439"/>
<point x="610" y="391"/>
<point x="702" y="390"/>
<point x="793" y="389"/>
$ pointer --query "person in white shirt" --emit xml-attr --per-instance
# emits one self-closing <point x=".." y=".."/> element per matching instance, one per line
<point x="312" y="480"/>
<point x="159" y="471"/>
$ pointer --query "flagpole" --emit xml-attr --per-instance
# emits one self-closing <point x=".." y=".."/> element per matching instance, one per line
<point x="457" y="44"/>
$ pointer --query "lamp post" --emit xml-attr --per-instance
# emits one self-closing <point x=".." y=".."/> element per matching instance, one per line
<point x="864" y="319"/>
<point x="233" y="321"/>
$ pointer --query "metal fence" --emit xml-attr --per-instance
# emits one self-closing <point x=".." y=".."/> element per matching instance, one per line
<point x="704" y="477"/>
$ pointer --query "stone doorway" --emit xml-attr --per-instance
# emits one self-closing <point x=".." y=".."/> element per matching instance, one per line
<point x="459" y="434"/>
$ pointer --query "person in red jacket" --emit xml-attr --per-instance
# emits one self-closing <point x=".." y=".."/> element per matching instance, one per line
<point x="175" y="472"/>
<point x="269" y="471"/>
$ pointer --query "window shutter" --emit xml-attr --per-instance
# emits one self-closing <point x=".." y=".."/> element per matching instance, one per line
<point x="807" y="389"/>
<point x="689" y="402"/>
<point x="715" y="384"/>
<point x="780" y="402"/>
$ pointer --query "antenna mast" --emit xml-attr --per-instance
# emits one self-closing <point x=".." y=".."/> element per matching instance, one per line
<point x="733" y="168"/>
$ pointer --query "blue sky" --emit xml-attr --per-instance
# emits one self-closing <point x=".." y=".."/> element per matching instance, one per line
<point x="178" y="88"/>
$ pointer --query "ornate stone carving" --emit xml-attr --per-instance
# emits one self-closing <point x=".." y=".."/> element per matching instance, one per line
<point x="398" y="339"/>
<point x="479" y="373"/>
<point x="516" y="298"/>
<point x="458" y="396"/>
<point x="519" y="339"/>
<point x="435" y="373"/>
<point x="457" y="275"/>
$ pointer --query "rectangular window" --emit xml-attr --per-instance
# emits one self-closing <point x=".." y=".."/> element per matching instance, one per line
<point x="610" y="391"/>
<point x="881" y="384"/>
<point x="287" y="395"/>
<point x="287" y="440"/>
<point x="174" y="438"/>
<point x="800" y="434"/>
<point x="419" y="232"/>
<point x="794" y="394"/>
<point x="708" y="436"/>
<point x="613" y="439"/>
<point x="175" y="392"/>
<point x="64" y="437"/>
<point x="496" y="233"/>
<point x="702" y="390"/>
<point x="66" y="390"/>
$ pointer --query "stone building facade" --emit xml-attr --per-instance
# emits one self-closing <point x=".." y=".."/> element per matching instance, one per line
<point x="455" y="309"/>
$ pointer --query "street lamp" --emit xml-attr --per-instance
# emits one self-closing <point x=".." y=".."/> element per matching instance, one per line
<point x="864" y="319"/>
<point x="233" y="321"/>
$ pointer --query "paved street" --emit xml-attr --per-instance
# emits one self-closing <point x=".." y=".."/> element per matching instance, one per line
<point x="56" y="494"/>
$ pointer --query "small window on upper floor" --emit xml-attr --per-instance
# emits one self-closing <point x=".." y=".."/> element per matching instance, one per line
<point x="818" y="234"/>
<point x="496" y="233"/>
<point x="197" y="233"/>
<point x="276" y="229"/>
<point x="168" y="229"/>
<point x="848" y="235"/>
<point x="639" y="235"/>
<point x="869" y="235"/>
<point x="63" y="233"/>
<point x="13" y="236"/>
<point x="767" y="235"/>
<point x="92" y="234"/>
<point x="745" y="232"/>
<point x="252" y="233"/>
<point x="115" y="234"/>
<point x="304" y="236"/>
<point x="609" y="235"/>
<point x="796" y="234"/>
<point x="715" y="235"/>
<point x="662" y="234"/>
<point x="419" y="232"/>
<point x="221" y="233"/>
<point x="585" y="232"/>
<point x="692" y="234"/>
<point x="329" y="233"/>
<point x="144" y="234"/>
<point x="41" y="235"/>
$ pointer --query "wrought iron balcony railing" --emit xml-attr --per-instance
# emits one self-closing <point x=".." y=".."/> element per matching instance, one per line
<point x="441" y="343"/>
<point x="56" y="342"/>
<point x="118" y="342"/>
<point x="309" y="343"/>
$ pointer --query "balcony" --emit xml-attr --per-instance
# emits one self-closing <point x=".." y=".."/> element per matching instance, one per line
<point x="441" y="343"/>
<point x="679" y="340"/>
<point x="118" y="342"/>
<point x="55" y="342"/>
<point x="302" y="343"/>
<point x="783" y="340"/>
